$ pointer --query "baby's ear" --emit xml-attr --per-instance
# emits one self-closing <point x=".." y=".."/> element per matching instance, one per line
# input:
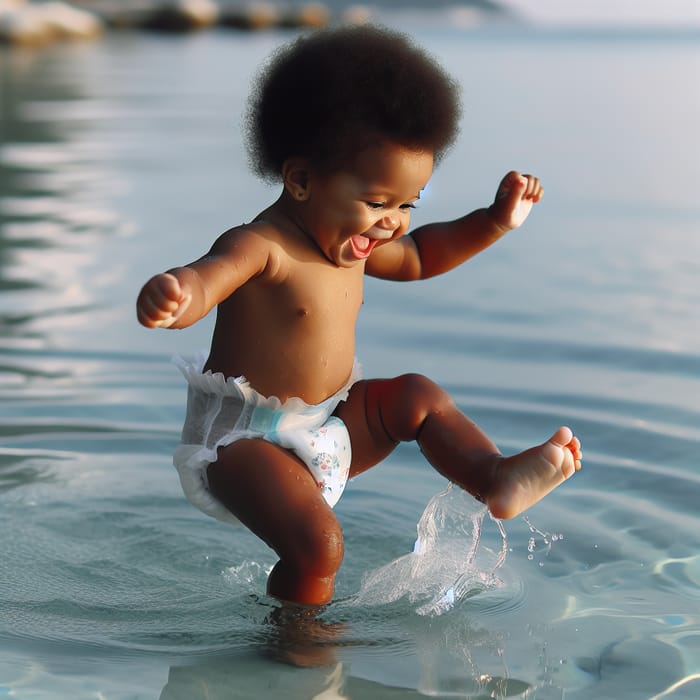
<point x="295" y="175"/>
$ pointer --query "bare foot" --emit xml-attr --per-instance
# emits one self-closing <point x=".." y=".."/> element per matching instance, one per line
<point x="523" y="479"/>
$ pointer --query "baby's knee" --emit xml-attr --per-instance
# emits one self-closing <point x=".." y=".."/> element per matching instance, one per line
<point x="413" y="397"/>
<point x="319" y="549"/>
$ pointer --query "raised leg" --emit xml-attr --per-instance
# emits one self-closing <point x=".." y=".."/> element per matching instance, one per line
<point x="380" y="413"/>
<point x="273" y="494"/>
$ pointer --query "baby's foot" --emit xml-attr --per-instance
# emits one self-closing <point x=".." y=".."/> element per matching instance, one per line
<point x="523" y="479"/>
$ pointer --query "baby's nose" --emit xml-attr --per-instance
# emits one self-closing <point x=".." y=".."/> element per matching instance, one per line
<point x="389" y="222"/>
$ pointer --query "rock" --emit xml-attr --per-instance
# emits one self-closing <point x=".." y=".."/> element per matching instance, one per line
<point x="125" y="14"/>
<point x="253" y="16"/>
<point x="23" y="26"/>
<point x="28" y="24"/>
<point x="310" y="14"/>
<point x="68" y="22"/>
<point x="183" y="15"/>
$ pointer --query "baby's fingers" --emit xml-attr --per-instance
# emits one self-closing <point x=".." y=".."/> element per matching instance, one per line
<point x="159" y="301"/>
<point x="512" y="183"/>
<point x="150" y="310"/>
<point x="167" y="286"/>
<point x="175" y="314"/>
<point x="157" y="306"/>
<point x="533" y="189"/>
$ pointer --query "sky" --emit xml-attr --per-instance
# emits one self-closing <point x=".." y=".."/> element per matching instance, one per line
<point x="600" y="13"/>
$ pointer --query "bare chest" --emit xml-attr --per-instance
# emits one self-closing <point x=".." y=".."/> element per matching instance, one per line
<point x="293" y="338"/>
<point x="314" y="306"/>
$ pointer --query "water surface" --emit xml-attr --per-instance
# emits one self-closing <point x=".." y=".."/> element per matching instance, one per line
<point x="123" y="157"/>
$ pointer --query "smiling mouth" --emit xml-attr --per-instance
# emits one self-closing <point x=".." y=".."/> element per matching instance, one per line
<point x="362" y="246"/>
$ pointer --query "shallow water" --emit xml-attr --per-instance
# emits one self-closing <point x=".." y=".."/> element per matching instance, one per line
<point x="123" y="157"/>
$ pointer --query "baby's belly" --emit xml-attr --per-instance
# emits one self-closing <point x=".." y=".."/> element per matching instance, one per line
<point x="311" y="373"/>
<point x="288" y="342"/>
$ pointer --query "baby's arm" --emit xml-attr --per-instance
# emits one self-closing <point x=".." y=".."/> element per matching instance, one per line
<point x="436" y="248"/>
<point x="443" y="246"/>
<point x="181" y="296"/>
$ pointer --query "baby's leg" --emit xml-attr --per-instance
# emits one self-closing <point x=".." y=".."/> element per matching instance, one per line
<point x="380" y="413"/>
<point x="272" y="492"/>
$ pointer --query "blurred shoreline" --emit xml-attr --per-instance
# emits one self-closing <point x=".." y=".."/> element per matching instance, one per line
<point x="37" y="23"/>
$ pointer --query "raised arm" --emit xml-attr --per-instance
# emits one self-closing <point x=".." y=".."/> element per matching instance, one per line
<point x="181" y="296"/>
<point x="436" y="248"/>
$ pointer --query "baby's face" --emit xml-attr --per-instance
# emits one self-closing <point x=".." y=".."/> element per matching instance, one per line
<point x="368" y="204"/>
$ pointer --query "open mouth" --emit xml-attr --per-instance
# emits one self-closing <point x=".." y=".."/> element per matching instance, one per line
<point x="362" y="246"/>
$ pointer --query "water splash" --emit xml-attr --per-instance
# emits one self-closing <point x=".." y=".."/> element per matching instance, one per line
<point x="544" y="546"/>
<point x="248" y="575"/>
<point x="449" y="562"/>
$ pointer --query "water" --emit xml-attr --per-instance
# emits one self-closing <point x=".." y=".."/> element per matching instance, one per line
<point x="122" y="157"/>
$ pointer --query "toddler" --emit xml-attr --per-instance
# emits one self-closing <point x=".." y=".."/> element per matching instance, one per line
<point x="350" y="122"/>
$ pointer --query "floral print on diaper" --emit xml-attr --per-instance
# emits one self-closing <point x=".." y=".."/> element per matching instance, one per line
<point x="328" y="459"/>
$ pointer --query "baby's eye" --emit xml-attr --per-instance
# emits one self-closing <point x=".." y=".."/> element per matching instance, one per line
<point x="380" y="205"/>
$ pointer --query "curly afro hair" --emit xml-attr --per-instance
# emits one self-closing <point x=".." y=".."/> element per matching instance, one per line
<point x="330" y="94"/>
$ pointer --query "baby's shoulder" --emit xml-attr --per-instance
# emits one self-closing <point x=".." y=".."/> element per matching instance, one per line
<point x="260" y="244"/>
<point x="256" y="231"/>
<point x="255" y="239"/>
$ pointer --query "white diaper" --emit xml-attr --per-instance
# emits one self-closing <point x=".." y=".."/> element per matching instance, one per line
<point x="221" y="411"/>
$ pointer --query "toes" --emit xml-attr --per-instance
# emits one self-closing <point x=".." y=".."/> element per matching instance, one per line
<point x="565" y="438"/>
<point x="575" y="448"/>
<point x="562" y="437"/>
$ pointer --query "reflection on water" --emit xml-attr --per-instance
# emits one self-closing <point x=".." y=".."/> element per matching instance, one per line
<point x="121" y="158"/>
<point x="54" y="197"/>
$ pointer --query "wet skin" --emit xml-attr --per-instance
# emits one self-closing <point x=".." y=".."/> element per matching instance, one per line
<point x="288" y="290"/>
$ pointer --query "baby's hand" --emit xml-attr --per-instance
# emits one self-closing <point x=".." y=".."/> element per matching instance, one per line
<point x="162" y="301"/>
<point x="514" y="199"/>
